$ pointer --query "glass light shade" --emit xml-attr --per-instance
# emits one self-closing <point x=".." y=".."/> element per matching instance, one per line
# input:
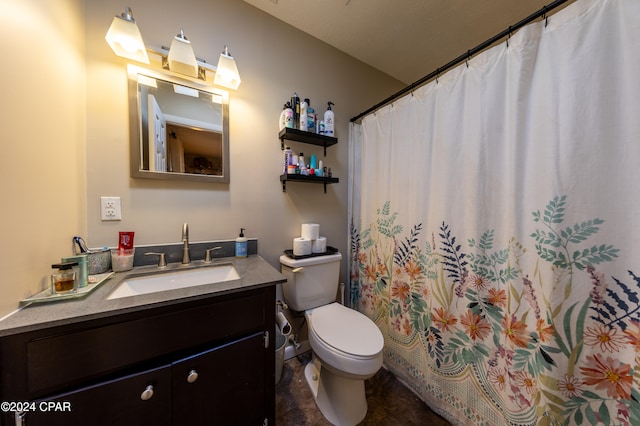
<point x="227" y="72"/>
<point x="125" y="39"/>
<point x="181" y="57"/>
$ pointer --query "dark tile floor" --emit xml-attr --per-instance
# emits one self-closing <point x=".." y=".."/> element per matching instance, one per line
<point x="389" y="401"/>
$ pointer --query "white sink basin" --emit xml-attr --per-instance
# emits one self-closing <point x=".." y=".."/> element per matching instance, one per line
<point x="172" y="280"/>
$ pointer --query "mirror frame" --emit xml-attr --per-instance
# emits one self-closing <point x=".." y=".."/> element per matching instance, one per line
<point x="135" y="126"/>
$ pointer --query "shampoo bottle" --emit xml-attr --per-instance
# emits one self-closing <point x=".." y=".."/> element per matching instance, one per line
<point x="241" y="244"/>
<point x="304" y="120"/>
<point x="328" y="120"/>
<point x="286" y="117"/>
<point x="311" y="119"/>
<point x="288" y="154"/>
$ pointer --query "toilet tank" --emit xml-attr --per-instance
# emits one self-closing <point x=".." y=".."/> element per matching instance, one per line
<point x="311" y="282"/>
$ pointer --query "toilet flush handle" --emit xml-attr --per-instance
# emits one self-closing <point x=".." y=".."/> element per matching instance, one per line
<point x="295" y="270"/>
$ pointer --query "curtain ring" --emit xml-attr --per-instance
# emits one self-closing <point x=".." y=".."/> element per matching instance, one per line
<point x="544" y="16"/>
<point x="468" y="56"/>
<point x="437" y="75"/>
<point x="509" y="36"/>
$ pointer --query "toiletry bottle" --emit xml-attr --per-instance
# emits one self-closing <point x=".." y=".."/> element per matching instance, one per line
<point x="282" y="119"/>
<point x="288" y="153"/>
<point x="311" y="119"/>
<point x="302" y="164"/>
<point x="328" y="120"/>
<point x="286" y="117"/>
<point x="295" y="106"/>
<point x="241" y="244"/>
<point x="304" y="119"/>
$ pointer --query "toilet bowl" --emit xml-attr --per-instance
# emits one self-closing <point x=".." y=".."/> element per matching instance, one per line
<point x="345" y="339"/>
<point x="346" y="345"/>
<point x="347" y="349"/>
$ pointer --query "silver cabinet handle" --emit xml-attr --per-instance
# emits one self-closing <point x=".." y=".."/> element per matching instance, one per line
<point x="193" y="376"/>
<point x="147" y="393"/>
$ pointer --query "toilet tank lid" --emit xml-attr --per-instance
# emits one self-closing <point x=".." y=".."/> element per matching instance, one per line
<point x="308" y="261"/>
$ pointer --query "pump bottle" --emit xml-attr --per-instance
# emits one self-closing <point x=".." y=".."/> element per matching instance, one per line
<point x="286" y="117"/>
<point x="328" y="120"/>
<point x="241" y="244"/>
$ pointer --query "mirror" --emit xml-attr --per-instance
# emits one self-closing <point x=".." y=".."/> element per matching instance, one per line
<point x="179" y="129"/>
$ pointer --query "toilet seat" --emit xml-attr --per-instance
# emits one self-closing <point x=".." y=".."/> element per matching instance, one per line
<point x="346" y="331"/>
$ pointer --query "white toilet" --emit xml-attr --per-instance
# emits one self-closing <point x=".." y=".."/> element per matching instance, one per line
<point x="347" y="346"/>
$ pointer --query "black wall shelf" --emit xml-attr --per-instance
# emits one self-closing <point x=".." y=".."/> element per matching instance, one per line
<point x="308" y="179"/>
<point x="306" y="137"/>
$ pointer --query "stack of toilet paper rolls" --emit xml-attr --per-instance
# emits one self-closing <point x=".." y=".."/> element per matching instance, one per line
<point x="310" y="241"/>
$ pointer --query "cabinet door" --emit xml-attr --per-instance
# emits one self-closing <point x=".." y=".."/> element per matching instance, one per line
<point x="222" y="386"/>
<point x="125" y="401"/>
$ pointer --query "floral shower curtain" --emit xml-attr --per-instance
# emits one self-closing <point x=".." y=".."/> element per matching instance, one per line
<point x="495" y="226"/>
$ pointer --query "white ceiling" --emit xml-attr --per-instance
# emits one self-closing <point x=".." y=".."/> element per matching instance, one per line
<point x="406" y="39"/>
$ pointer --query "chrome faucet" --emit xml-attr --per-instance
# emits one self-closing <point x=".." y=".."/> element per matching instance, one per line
<point x="185" y="239"/>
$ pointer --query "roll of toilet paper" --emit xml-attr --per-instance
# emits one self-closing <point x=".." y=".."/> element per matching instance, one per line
<point x="310" y="231"/>
<point x="283" y="324"/>
<point x="301" y="246"/>
<point x="319" y="245"/>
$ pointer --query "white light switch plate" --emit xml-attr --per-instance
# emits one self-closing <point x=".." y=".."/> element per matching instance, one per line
<point x="110" y="208"/>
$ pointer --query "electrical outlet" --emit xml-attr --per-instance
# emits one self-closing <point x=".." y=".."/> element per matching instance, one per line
<point x="110" y="208"/>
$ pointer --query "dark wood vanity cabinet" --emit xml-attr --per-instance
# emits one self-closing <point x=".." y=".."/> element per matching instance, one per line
<point x="209" y="361"/>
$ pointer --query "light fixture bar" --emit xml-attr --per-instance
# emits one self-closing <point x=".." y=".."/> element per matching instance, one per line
<point x="163" y="53"/>
<point x="125" y="39"/>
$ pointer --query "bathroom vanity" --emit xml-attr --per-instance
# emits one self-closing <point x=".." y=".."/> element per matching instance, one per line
<point x="202" y="355"/>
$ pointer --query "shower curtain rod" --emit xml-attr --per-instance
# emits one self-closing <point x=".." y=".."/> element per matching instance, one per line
<point x="464" y="57"/>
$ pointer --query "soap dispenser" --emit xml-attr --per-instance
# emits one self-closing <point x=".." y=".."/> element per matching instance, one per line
<point x="329" y="120"/>
<point x="241" y="244"/>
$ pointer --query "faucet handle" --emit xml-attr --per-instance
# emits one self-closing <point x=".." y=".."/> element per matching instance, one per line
<point x="162" y="262"/>
<point x="207" y="257"/>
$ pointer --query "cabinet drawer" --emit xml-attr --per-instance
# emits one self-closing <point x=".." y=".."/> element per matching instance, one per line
<point x="69" y="359"/>
<point x="118" y="402"/>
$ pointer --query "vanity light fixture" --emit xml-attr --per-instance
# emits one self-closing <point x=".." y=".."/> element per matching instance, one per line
<point x="125" y="39"/>
<point x="181" y="58"/>
<point x="227" y="72"/>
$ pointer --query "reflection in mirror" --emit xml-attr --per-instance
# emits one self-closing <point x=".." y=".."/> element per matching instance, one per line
<point x="179" y="128"/>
